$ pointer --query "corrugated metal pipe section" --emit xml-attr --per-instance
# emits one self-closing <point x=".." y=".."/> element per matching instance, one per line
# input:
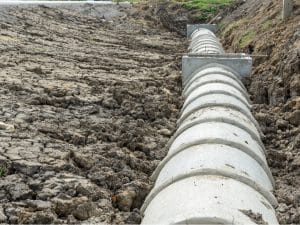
<point x="215" y="171"/>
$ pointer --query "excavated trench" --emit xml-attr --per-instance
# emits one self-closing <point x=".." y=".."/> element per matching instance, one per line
<point x="89" y="99"/>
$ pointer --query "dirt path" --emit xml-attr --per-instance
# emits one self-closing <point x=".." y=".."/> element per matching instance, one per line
<point x="88" y="102"/>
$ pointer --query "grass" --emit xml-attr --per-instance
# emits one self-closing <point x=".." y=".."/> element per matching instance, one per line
<point x="207" y="8"/>
<point x="267" y="25"/>
<point x="206" y="5"/>
<point x="2" y="171"/>
<point x="247" y="38"/>
<point x="233" y="26"/>
<point x="239" y="34"/>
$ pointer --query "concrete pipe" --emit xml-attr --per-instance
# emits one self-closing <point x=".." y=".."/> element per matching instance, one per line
<point x="213" y="68"/>
<point x="206" y="46"/>
<point x="209" y="199"/>
<point x="201" y="31"/>
<point x="231" y="162"/>
<point x="218" y="132"/>
<point x="216" y="99"/>
<point x="208" y="49"/>
<point x="219" y="114"/>
<point x="205" y="37"/>
<point x="201" y="34"/>
<point x="215" y="171"/>
<point x="216" y="78"/>
<point x="214" y="88"/>
<point x="204" y="41"/>
<point x="201" y="160"/>
<point x="200" y="47"/>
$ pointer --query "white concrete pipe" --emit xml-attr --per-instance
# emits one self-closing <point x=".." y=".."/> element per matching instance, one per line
<point x="209" y="199"/>
<point x="216" y="88"/>
<point x="230" y="162"/>
<point x="205" y="41"/>
<point x="219" y="114"/>
<point x="215" y="171"/>
<point x="208" y="76"/>
<point x="212" y="68"/>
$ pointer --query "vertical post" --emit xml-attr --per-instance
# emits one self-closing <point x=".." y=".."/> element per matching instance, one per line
<point x="287" y="9"/>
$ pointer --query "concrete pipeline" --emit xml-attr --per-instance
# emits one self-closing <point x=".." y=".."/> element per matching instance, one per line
<point x="215" y="171"/>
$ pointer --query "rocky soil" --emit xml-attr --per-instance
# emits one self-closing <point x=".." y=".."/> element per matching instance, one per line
<point x="89" y="98"/>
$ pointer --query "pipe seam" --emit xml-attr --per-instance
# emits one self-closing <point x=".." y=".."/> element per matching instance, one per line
<point x="199" y="75"/>
<point x="225" y="69"/>
<point x="203" y="42"/>
<point x="217" y="81"/>
<point x="191" y="100"/>
<point x="214" y="172"/>
<point x="235" y="145"/>
<point x="221" y="119"/>
<point x="226" y="105"/>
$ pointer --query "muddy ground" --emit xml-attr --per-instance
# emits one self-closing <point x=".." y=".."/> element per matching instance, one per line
<point x="88" y="101"/>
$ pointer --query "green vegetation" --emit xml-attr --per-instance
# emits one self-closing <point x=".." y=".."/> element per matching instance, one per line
<point x="2" y="171"/>
<point x="247" y="38"/>
<point x="231" y="27"/>
<point x="267" y="25"/>
<point x="206" y="7"/>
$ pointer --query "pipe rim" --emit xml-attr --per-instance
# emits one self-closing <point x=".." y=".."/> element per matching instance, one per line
<point x="268" y="195"/>
<point x="208" y="49"/>
<point x="204" y="221"/>
<point x="197" y="34"/>
<point x="217" y="92"/>
<point x="218" y="80"/>
<point x="204" y="42"/>
<point x="208" y="39"/>
<point x="219" y="119"/>
<point x="239" y="147"/>
<point x="208" y="93"/>
<point x="226" y="69"/>
<point x="225" y="105"/>
<point x="210" y="73"/>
